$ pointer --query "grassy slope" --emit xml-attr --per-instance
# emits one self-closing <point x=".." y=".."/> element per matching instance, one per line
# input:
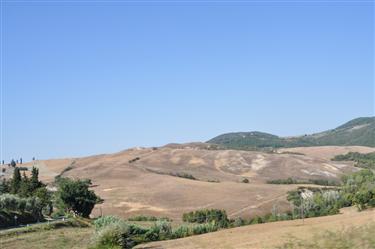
<point x="351" y="229"/>
<point x="270" y="235"/>
<point x="61" y="238"/>
<point x="360" y="131"/>
<point x="352" y="238"/>
<point x="68" y="234"/>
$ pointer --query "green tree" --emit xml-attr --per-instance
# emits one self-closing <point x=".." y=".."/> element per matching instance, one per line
<point x="24" y="190"/>
<point x="34" y="181"/>
<point x="16" y="181"/>
<point x="75" y="196"/>
<point x="4" y="187"/>
<point x="359" y="189"/>
<point x="45" y="198"/>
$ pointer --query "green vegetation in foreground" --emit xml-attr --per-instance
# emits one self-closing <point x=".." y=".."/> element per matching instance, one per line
<point x="321" y="182"/>
<point x="113" y="232"/>
<point x="25" y="200"/>
<point x="354" y="238"/>
<point x="366" y="161"/>
<point x="357" y="189"/>
<point x="360" y="131"/>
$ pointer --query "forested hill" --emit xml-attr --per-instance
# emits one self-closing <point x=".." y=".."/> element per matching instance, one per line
<point x="359" y="131"/>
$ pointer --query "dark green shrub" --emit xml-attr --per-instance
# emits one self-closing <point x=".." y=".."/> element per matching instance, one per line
<point x="161" y="230"/>
<point x="257" y="220"/>
<point x="322" y="182"/>
<point x="359" y="189"/>
<point x="245" y="180"/>
<point x="114" y="235"/>
<point x="238" y="222"/>
<point x="366" y="161"/>
<point x="184" y="175"/>
<point x="181" y="232"/>
<point x="148" y="218"/>
<point x="105" y="221"/>
<point x="207" y="215"/>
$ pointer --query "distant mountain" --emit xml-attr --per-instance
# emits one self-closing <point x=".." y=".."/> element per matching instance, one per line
<point x="359" y="131"/>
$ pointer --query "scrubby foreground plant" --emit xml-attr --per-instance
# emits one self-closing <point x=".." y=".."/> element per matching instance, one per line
<point x="113" y="232"/>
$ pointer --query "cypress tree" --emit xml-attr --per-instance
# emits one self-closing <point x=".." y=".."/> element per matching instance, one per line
<point x="34" y="182"/>
<point x="16" y="181"/>
<point x="24" y="190"/>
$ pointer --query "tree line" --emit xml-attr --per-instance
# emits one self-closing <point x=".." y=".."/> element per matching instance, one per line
<point x="25" y="199"/>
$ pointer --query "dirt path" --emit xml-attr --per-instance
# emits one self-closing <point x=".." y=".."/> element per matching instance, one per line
<point x="256" y="206"/>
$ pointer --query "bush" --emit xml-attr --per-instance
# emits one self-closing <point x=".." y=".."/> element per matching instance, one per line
<point x="206" y="216"/>
<point x="318" y="203"/>
<point x="205" y="228"/>
<point x="161" y="230"/>
<point x="283" y="181"/>
<point x="148" y="218"/>
<point x="322" y="182"/>
<point x="143" y="218"/>
<point x="115" y="234"/>
<point x="105" y="221"/>
<point x="239" y="222"/>
<point x="245" y="180"/>
<point x="111" y="231"/>
<point x="257" y="220"/>
<point x="184" y="175"/>
<point x="359" y="189"/>
<point x="181" y="232"/>
<point x="366" y="161"/>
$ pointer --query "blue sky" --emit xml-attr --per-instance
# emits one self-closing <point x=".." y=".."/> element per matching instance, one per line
<point x="85" y="78"/>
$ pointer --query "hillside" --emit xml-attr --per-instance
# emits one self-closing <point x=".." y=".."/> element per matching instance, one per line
<point x="276" y="234"/>
<point x="360" y="132"/>
<point x="350" y="229"/>
<point x="177" y="178"/>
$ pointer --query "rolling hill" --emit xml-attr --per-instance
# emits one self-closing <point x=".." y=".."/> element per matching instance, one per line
<point x="360" y="132"/>
<point x="178" y="178"/>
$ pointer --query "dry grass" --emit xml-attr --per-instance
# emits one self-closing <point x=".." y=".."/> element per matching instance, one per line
<point x="273" y="235"/>
<point x="328" y="152"/>
<point x="69" y="238"/>
<point x="352" y="238"/>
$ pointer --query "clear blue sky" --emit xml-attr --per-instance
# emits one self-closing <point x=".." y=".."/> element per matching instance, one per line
<point x="85" y="78"/>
